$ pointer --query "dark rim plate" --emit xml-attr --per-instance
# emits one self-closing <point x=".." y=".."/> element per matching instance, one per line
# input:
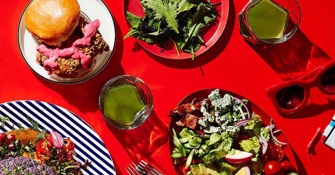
<point x="90" y="9"/>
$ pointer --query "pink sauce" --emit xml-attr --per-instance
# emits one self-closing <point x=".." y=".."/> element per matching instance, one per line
<point x="73" y="52"/>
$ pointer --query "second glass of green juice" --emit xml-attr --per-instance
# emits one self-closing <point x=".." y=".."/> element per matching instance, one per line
<point x="125" y="102"/>
<point x="269" y="21"/>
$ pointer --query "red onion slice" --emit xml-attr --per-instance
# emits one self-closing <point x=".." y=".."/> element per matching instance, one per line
<point x="264" y="143"/>
<point x="242" y="122"/>
<point x="57" y="139"/>
<point x="274" y="138"/>
<point x="244" y="105"/>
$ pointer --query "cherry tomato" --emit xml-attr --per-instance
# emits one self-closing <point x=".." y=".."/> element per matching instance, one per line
<point x="273" y="168"/>
<point x="287" y="166"/>
<point x="68" y="144"/>
<point x="43" y="149"/>
<point x="11" y="146"/>
<point x="274" y="152"/>
<point x="11" y="137"/>
<point x="2" y="137"/>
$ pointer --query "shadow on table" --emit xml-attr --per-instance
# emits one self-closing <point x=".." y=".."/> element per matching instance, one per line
<point x="294" y="58"/>
<point x="85" y="95"/>
<point x="143" y="142"/>
<point x="206" y="57"/>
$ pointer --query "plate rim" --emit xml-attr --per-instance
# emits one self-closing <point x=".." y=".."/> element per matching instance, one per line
<point x="69" y="80"/>
<point x="225" y="4"/>
<point x="73" y="116"/>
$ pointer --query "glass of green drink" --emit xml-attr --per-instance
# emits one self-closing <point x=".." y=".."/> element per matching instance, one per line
<point x="269" y="21"/>
<point x="125" y="102"/>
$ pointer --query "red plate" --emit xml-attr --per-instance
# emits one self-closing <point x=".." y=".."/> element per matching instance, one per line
<point x="210" y="34"/>
<point x="202" y="94"/>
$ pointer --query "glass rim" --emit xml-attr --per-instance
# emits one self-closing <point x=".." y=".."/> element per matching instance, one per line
<point x="146" y="111"/>
<point x="258" y="41"/>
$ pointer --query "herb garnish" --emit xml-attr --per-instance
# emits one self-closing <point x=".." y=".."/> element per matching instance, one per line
<point x="179" y="20"/>
<point x="3" y="120"/>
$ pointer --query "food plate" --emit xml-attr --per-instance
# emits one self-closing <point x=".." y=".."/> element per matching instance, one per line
<point x="202" y="94"/>
<point x="91" y="10"/>
<point x="89" y="146"/>
<point x="211" y="34"/>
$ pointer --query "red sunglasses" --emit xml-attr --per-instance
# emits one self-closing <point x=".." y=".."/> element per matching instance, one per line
<point x="292" y="95"/>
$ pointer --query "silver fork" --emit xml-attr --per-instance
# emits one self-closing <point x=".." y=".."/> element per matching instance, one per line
<point x="142" y="168"/>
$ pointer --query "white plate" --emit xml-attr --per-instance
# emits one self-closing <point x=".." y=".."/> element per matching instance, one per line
<point x="88" y="144"/>
<point x="91" y="9"/>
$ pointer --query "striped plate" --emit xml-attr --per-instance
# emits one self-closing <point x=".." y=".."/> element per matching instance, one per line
<point x="89" y="146"/>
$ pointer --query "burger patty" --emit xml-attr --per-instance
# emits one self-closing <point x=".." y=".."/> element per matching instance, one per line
<point x="24" y="166"/>
<point x="69" y="67"/>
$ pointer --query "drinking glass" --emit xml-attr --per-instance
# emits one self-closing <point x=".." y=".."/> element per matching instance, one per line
<point x="125" y="102"/>
<point x="269" y="21"/>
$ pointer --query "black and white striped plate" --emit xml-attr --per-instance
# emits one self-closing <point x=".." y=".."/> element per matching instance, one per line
<point x="89" y="145"/>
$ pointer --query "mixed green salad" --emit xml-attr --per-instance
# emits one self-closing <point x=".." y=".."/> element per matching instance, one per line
<point x="219" y="135"/>
<point x="179" y="20"/>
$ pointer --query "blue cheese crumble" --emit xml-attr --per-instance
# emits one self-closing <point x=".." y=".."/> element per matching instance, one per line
<point x="220" y="113"/>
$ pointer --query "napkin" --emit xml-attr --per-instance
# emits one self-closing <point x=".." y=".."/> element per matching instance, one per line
<point x="328" y="136"/>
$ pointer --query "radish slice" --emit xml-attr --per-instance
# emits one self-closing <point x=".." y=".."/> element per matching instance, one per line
<point x="57" y="139"/>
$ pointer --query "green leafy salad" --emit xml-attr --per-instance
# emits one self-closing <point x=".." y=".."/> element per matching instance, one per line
<point x="219" y="135"/>
<point x="179" y="20"/>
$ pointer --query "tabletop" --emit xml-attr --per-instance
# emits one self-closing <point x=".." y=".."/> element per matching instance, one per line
<point x="231" y="64"/>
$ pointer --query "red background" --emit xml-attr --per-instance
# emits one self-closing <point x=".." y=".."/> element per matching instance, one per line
<point x="232" y="64"/>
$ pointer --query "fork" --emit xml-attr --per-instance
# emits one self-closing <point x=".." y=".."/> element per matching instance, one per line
<point x="142" y="168"/>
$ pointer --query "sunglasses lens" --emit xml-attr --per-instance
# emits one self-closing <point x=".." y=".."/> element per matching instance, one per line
<point x="328" y="80"/>
<point x="290" y="97"/>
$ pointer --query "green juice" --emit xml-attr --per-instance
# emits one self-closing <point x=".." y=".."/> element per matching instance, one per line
<point x="267" y="20"/>
<point x="122" y="103"/>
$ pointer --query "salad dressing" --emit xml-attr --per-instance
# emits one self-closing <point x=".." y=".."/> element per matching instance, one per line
<point x="267" y="19"/>
<point x="123" y="103"/>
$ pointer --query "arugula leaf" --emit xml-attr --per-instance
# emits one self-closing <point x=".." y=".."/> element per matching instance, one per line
<point x="166" y="10"/>
<point x="185" y="5"/>
<point x="34" y="124"/>
<point x="41" y="135"/>
<point x="133" y="20"/>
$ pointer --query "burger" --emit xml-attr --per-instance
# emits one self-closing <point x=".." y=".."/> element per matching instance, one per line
<point x="67" y="43"/>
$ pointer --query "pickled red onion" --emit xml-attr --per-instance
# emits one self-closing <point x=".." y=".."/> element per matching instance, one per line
<point x="57" y="139"/>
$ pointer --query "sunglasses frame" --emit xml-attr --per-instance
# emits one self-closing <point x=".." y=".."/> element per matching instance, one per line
<point x="307" y="81"/>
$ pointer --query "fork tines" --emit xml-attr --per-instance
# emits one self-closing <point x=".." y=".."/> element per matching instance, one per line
<point x="133" y="170"/>
<point x="142" y="168"/>
<point x="148" y="168"/>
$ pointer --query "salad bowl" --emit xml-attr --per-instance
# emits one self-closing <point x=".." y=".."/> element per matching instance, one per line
<point x="274" y="148"/>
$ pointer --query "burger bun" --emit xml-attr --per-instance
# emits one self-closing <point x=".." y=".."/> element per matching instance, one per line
<point x="52" y="21"/>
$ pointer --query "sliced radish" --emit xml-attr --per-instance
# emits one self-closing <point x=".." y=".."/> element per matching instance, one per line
<point x="239" y="157"/>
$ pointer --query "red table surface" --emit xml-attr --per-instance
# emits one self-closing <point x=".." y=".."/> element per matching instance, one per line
<point x="232" y="64"/>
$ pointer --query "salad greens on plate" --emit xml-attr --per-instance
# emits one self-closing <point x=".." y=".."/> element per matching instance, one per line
<point x="179" y="20"/>
<point x="219" y="134"/>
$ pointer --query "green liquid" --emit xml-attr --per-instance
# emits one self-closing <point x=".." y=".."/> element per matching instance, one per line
<point x="122" y="103"/>
<point x="267" y="20"/>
